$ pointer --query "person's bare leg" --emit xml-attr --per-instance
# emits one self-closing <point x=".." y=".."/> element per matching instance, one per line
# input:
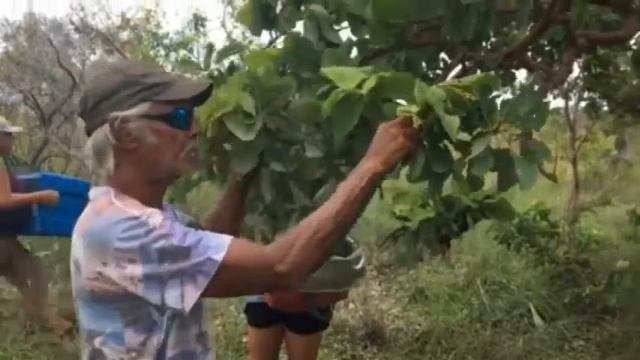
<point x="265" y="344"/>
<point x="29" y="276"/>
<point x="302" y="347"/>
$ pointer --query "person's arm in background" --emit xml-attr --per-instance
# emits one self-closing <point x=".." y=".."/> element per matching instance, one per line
<point x="251" y="268"/>
<point x="227" y="216"/>
<point x="10" y="200"/>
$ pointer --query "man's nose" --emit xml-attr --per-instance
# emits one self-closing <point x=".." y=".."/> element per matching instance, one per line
<point x="195" y="128"/>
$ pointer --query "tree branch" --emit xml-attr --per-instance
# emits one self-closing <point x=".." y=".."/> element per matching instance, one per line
<point x="630" y="28"/>
<point x="34" y="161"/>
<point x="32" y="102"/>
<point x="74" y="81"/>
<point x="430" y="35"/>
<point x="547" y="14"/>
<point x="106" y="38"/>
<point x="537" y="30"/>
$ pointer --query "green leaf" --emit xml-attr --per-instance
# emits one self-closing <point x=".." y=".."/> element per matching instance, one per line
<point x="312" y="150"/>
<point x="271" y="91"/>
<point x="439" y="157"/>
<point x="436" y="98"/>
<point x="528" y="109"/>
<point x="244" y="156"/>
<point x="324" y="23"/>
<point x="300" y="54"/>
<point x="311" y="168"/>
<point x="325" y="192"/>
<point x="358" y="7"/>
<point x="476" y="84"/>
<point x="288" y="17"/>
<point x="265" y="184"/>
<point x="451" y="125"/>
<point x="421" y="93"/>
<point x="407" y="110"/>
<point x="233" y="48"/>
<point x="412" y="214"/>
<point x="249" y="16"/>
<point x="416" y="167"/>
<point x="346" y="77"/>
<point x="481" y="163"/>
<point x="391" y="86"/>
<point x="310" y="29"/>
<point x="299" y="196"/>
<point x="336" y="57"/>
<point x="536" y="151"/>
<point x="407" y="10"/>
<point x="244" y="128"/>
<point x="527" y="172"/>
<point x="225" y="99"/>
<point x="476" y="183"/>
<point x="344" y="107"/>
<point x="505" y="167"/>
<point x="216" y="106"/>
<point x="480" y="144"/>
<point x="500" y="209"/>
<point x="247" y="103"/>
<point x="257" y="15"/>
<point x="305" y="110"/>
<point x="263" y="60"/>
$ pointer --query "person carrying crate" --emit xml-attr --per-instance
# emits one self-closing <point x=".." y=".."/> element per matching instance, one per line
<point x="20" y="267"/>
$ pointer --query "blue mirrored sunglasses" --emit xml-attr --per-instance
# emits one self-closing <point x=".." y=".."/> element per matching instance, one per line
<point x="180" y="118"/>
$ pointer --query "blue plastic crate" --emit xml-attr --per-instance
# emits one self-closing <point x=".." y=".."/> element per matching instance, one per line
<point x="56" y="220"/>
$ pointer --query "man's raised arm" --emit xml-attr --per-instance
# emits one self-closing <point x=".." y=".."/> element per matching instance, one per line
<point x="251" y="268"/>
<point x="227" y="216"/>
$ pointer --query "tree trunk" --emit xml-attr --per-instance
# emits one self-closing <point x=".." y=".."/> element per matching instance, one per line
<point x="574" y="196"/>
<point x="571" y="119"/>
<point x="35" y="158"/>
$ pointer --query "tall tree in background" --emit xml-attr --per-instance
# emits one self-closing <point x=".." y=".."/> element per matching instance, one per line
<point x="42" y="65"/>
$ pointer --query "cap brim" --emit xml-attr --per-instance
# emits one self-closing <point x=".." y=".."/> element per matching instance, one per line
<point x="195" y="91"/>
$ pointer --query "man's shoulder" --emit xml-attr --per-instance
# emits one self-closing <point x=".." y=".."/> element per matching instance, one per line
<point x="182" y="217"/>
<point x="104" y="218"/>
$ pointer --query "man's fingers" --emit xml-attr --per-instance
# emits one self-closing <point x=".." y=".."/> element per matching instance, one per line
<point x="404" y="121"/>
<point x="414" y="139"/>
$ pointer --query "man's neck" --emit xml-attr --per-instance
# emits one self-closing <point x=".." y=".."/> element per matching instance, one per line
<point x="148" y="192"/>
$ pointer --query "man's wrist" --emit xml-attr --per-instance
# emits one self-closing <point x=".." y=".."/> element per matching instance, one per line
<point x="372" y="168"/>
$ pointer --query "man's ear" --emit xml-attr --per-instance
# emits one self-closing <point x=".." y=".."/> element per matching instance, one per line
<point x="123" y="135"/>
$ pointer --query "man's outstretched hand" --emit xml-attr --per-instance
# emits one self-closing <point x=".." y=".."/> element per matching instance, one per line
<point x="394" y="141"/>
<point x="288" y="261"/>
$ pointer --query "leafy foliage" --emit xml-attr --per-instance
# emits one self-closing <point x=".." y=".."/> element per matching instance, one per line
<point x="302" y="109"/>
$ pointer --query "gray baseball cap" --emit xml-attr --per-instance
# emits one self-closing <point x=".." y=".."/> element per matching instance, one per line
<point x="122" y="84"/>
<point x="6" y="127"/>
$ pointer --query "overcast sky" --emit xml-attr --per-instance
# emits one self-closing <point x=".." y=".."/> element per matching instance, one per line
<point x="176" y="10"/>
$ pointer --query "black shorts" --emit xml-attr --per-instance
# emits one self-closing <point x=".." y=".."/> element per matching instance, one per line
<point x="261" y="316"/>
